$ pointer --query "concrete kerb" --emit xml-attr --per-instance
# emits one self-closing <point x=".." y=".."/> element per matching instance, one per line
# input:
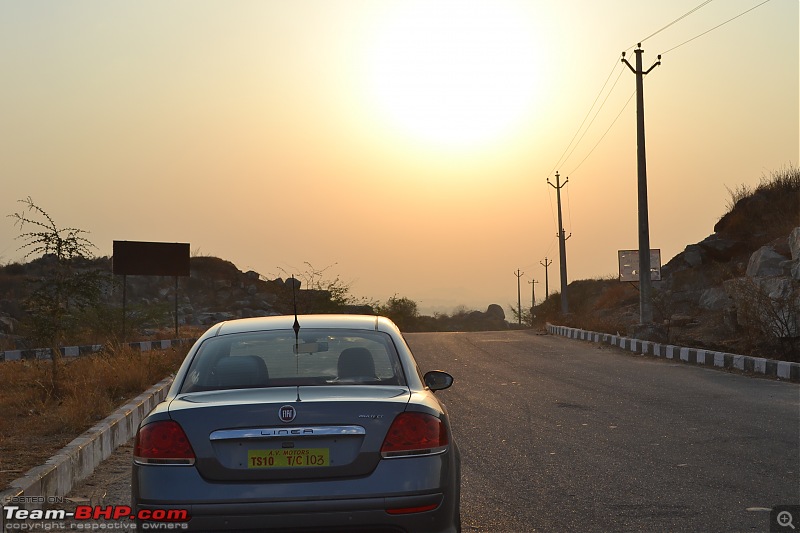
<point x="78" y="459"/>
<point x="745" y="363"/>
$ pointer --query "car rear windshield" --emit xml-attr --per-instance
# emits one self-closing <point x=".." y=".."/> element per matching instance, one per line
<point x="279" y="359"/>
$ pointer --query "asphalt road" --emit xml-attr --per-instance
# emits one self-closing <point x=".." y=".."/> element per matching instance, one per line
<point x="563" y="435"/>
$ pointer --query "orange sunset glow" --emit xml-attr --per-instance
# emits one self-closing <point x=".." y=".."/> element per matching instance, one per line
<point x="407" y="143"/>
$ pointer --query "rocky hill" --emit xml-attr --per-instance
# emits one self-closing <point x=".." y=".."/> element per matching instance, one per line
<point x="215" y="290"/>
<point x="737" y="290"/>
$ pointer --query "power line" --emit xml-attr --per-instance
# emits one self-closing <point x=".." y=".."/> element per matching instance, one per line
<point x="549" y="247"/>
<point x="595" y="115"/>
<point x="569" y="212"/>
<point x="616" y="64"/>
<point x="673" y="48"/>
<point x="568" y="153"/>
<point x="715" y="27"/>
<point x="562" y="159"/>
<point x="676" y="20"/>
<point x="552" y="210"/>
<point x="588" y="113"/>
<point x="606" y="132"/>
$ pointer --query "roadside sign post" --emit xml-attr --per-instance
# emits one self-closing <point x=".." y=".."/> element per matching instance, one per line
<point x="149" y="259"/>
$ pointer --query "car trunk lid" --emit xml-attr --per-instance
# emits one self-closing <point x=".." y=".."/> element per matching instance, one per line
<point x="288" y="432"/>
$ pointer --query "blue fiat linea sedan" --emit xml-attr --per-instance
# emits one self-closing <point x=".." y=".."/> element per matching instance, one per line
<point x="310" y="423"/>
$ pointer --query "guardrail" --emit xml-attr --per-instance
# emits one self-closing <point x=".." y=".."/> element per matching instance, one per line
<point x="745" y="363"/>
<point x="76" y="351"/>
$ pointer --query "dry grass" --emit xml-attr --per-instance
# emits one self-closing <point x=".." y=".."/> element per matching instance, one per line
<point x="768" y="211"/>
<point x="40" y="416"/>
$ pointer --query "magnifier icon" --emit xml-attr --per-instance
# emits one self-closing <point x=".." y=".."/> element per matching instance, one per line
<point x="785" y="519"/>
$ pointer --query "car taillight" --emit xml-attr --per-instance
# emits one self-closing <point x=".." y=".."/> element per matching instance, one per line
<point x="415" y="434"/>
<point x="162" y="442"/>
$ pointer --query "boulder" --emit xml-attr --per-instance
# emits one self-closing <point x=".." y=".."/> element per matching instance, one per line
<point x="794" y="243"/>
<point x="7" y="324"/>
<point x="495" y="312"/>
<point x="715" y="299"/>
<point x="694" y="255"/>
<point x="766" y="262"/>
<point x="721" y="249"/>
<point x="221" y="284"/>
<point x="680" y="320"/>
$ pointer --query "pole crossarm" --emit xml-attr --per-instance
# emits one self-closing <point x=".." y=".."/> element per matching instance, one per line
<point x="639" y="51"/>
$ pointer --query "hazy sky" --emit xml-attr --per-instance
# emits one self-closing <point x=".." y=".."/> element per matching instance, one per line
<point x="407" y="143"/>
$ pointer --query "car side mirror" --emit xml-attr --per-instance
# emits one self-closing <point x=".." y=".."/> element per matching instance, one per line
<point x="437" y="380"/>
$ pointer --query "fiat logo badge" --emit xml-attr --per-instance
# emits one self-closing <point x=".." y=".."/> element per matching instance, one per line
<point x="287" y="413"/>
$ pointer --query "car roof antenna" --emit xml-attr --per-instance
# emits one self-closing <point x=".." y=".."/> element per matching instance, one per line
<point x="296" y="328"/>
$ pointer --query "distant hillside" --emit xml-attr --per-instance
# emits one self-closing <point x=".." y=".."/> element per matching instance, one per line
<point x="216" y="290"/>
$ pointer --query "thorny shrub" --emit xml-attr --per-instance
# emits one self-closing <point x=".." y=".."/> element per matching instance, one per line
<point x="769" y="313"/>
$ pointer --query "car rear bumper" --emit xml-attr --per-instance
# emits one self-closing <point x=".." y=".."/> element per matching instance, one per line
<point x="425" y="487"/>
<point x="327" y="515"/>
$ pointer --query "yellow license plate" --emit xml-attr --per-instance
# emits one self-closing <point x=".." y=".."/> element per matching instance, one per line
<point x="288" y="458"/>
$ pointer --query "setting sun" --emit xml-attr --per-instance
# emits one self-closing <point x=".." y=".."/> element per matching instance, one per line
<point x="455" y="74"/>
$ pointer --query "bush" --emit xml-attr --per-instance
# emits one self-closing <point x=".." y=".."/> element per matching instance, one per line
<point x="769" y="312"/>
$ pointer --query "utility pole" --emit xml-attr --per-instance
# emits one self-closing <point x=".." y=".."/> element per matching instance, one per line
<point x="645" y="283"/>
<point x="546" y="287"/>
<point x="562" y="247"/>
<point x="533" y="298"/>
<point x="533" y="293"/>
<point x="519" y="297"/>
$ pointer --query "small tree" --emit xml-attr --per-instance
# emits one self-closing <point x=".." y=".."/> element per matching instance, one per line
<point x="401" y="310"/>
<point x="769" y="311"/>
<point x="323" y="294"/>
<point x="526" y="319"/>
<point x="64" y="290"/>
